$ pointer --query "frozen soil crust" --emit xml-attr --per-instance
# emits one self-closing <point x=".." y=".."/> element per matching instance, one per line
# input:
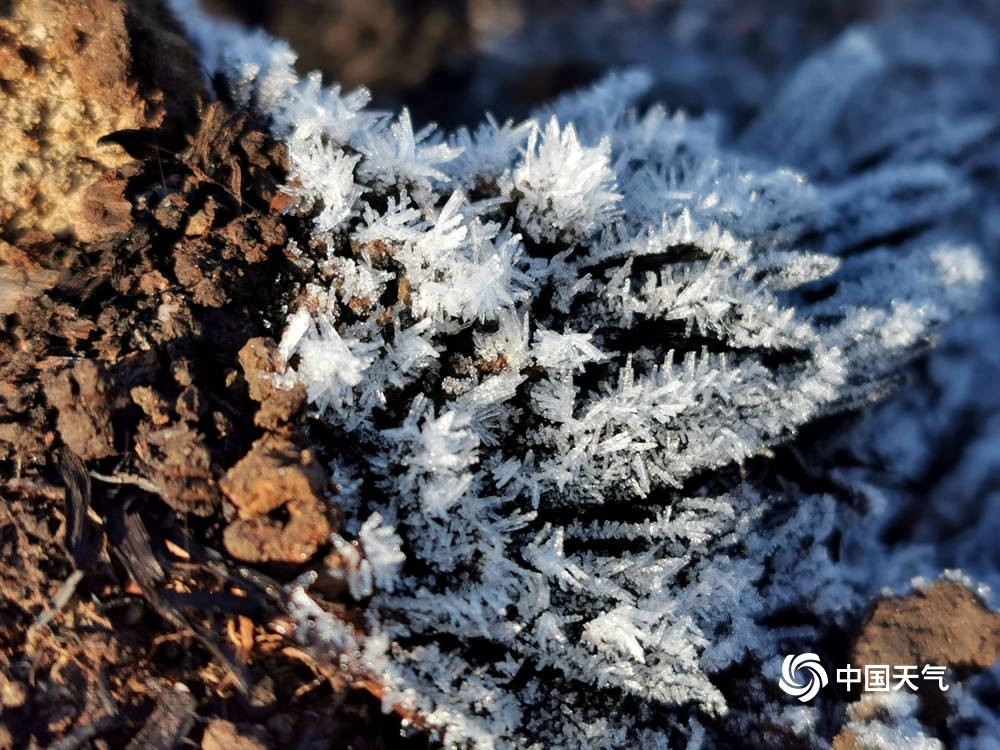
<point x="156" y="485"/>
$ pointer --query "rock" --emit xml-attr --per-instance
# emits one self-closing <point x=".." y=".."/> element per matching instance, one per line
<point x="943" y="625"/>
<point x="259" y="360"/>
<point x="71" y="73"/>
<point x="846" y="740"/>
<point x="152" y="404"/>
<point x="267" y="540"/>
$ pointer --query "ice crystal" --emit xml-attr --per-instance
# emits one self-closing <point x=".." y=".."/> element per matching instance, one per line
<point x="562" y="189"/>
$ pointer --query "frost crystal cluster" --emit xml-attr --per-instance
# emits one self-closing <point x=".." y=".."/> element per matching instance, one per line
<point x="538" y="350"/>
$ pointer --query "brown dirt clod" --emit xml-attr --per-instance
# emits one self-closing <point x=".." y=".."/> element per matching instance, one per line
<point x="80" y="394"/>
<point x="279" y="406"/>
<point x="275" y="474"/>
<point x="946" y="624"/>
<point x="259" y="360"/>
<point x="180" y="464"/>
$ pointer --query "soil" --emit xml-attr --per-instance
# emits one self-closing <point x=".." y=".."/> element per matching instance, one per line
<point x="155" y="486"/>
<point x="146" y="458"/>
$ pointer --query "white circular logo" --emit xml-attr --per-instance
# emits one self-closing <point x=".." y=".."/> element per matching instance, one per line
<point x="790" y="671"/>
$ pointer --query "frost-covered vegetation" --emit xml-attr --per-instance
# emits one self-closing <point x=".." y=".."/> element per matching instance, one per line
<point x="552" y="359"/>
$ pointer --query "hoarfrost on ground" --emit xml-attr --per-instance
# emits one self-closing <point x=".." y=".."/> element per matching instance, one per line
<point x="543" y="346"/>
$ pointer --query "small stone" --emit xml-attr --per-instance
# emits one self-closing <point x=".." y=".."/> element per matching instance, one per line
<point x="180" y="464"/>
<point x="153" y="282"/>
<point x="280" y="407"/>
